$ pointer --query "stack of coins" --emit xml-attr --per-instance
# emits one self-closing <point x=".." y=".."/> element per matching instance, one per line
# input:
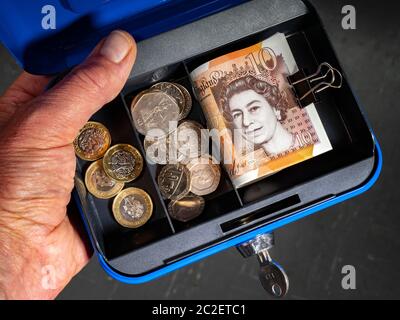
<point x="185" y="184"/>
<point x="105" y="178"/>
<point x="154" y="111"/>
<point x="155" y="108"/>
<point x="189" y="172"/>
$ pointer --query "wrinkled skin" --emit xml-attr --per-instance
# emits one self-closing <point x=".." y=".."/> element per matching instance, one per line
<point x="38" y="241"/>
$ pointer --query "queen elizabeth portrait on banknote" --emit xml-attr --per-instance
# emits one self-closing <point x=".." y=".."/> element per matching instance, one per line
<point x="257" y="109"/>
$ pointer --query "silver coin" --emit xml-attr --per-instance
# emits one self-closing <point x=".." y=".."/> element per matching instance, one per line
<point x="188" y="102"/>
<point x="174" y="91"/>
<point x="174" y="181"/>
<point x="187" y="208"/>
<point x="205" y="175"/>
<point x="154" y="110"/>
<point x="192" y="141"/>
<point x="158" y="149"/>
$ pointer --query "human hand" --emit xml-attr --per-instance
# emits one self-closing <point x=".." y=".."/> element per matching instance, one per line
<point x="37" y="168"/>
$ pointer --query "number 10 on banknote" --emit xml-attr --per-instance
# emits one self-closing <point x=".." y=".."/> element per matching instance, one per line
<point x="250" y="106"/>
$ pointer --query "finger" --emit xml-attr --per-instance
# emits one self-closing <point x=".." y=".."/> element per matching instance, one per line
<point x="24" y="89"/>
<point x="70" y="104"/>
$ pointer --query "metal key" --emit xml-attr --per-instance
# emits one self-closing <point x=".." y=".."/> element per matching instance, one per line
<point x="272" y="276"/>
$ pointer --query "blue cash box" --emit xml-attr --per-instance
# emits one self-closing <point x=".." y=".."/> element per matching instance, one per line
<point x="174" y="36"/>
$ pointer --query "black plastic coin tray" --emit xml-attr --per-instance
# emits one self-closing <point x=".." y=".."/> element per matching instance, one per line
<point x="228" y="211"/>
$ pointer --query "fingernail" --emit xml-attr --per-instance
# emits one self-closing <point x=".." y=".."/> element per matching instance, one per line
<point x="116" y="47"/>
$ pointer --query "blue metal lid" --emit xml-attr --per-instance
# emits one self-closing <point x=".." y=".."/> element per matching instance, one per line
<point x="50" y="36"/>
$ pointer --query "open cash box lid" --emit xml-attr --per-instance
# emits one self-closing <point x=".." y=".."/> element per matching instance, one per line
<point x="79" y="26"/>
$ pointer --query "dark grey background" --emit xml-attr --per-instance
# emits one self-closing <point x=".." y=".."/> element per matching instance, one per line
<point x="363" y="232"/>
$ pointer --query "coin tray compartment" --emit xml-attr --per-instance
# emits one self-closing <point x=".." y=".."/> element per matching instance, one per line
<point x="230" y="212"/>
<point x="115" y="239"/>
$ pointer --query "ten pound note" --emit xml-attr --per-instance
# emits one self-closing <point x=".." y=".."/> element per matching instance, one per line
<point x="247" y="99"/>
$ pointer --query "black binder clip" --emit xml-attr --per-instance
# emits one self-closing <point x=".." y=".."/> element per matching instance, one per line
<point x="306" y="87"/>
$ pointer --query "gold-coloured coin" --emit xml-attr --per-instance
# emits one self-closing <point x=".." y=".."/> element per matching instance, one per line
<point x="123" y="163"/>
<point x="99" y="183"/>
<point x="205" y="175"/>
<point x="174" y="181"/>
<point x="132" y="208"/>
<point x="92" y="141"/>
<point x="174" y="91"/>
<point x="153" y="110"/>
<point x="187" y="208"/>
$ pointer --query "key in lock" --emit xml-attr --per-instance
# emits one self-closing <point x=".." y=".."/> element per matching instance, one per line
<point x="272" y="276"/>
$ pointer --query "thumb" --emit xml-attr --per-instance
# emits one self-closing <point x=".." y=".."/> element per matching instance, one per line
<point x="65" y="108"/>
